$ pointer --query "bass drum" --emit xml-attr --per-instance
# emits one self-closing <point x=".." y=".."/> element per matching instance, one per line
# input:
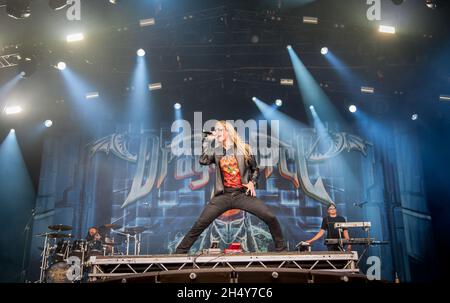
<point x="95" y="248"/>
<point x="65" y="272"/>
<point x="58" y="273"/>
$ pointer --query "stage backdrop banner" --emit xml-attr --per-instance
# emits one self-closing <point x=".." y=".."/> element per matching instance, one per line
<point x="128" y="176"/>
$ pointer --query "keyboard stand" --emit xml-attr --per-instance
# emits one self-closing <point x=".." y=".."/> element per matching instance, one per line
<point x="366" y="246"/>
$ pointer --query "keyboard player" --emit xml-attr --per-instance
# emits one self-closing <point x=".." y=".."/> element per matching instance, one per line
<point x="328" y="227"/>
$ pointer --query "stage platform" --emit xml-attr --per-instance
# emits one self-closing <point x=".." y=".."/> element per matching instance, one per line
<point x="302" y="267"/>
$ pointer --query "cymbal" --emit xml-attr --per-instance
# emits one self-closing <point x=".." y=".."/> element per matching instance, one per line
<point x="134" y="229"/>
<point x="60" y="227"/>
<point x="111" y="226"/>
<point x="54" y="235"/>
<point x="58" y="235"/>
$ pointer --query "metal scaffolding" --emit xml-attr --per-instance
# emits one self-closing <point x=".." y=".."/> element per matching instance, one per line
<point x="8" y="60"/>
<point x="106" y="267"/>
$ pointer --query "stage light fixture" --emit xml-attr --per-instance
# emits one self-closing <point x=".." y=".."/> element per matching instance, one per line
<point x="92" y="95"/>
<point x="27" y="65"/>
<point x="414" y="117"/>
<point x="431" y="4"/>
<point x="177" y="106"/>
<point x="310" y="20"/>
<point x="352" y="108"/>
<point x="155" y="86"/>
<point x="387" y="29"/>
<point x="61" y="65"/>
<point x="48" y="123"/>
<point x="140" y="52"/>
<point x="324" y="50"/>
<point x="57" y="4"/>
<point x="147" y="22"/>
<point x="75" y="37"/>
<point x="18" y="9"/>
<point x="254" y="39"/>
<point x="278" y="102"/>
<point x="444" y="97"/>
<point x="13" y="110"/>
<point x="287" y="82"/>
<point x="367" y="89"/>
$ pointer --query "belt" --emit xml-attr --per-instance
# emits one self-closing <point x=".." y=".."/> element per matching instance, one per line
<point x="234" y="189"/>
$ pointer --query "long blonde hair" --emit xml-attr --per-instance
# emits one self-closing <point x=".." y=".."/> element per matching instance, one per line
<point x="242" y="147"/>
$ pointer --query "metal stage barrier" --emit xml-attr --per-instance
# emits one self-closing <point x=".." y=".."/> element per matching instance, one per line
<point x="333" y="266"/>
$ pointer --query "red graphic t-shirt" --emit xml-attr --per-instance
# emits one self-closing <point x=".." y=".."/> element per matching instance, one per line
<point x="230" y="172"/>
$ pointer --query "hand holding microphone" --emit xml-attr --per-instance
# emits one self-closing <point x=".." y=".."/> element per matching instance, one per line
<point x="209" y="135"/>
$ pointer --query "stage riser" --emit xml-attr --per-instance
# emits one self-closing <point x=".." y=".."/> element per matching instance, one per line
<point x="301" y="267"/>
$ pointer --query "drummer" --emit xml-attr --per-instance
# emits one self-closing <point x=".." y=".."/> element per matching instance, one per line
<point x="107" y="241"/>
<point x="97" y="237"/>
<point x="93" y="234"/>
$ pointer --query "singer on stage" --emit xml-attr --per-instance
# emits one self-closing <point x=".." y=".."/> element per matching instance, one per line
<point x="236" y="179"/>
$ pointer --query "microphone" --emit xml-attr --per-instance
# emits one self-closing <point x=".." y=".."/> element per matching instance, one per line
<point x="302" y="243"/>
<point x="207" y="132"/>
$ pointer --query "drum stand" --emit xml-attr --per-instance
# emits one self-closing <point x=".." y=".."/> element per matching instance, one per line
<point x="128" y="243"/>
<point x="137" y="244"/>
<point x="137" y="241"/>
<point x="82" y="261"/>
<point x="44" y="262"/>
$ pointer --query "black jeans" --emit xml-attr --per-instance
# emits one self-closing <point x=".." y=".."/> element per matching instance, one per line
<point x="233" y="200"/>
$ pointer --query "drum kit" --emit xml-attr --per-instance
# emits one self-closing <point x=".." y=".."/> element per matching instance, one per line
<point x="64" y="259"/>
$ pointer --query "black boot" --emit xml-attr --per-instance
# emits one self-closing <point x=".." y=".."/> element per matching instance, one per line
<point x="281" y="247"/>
